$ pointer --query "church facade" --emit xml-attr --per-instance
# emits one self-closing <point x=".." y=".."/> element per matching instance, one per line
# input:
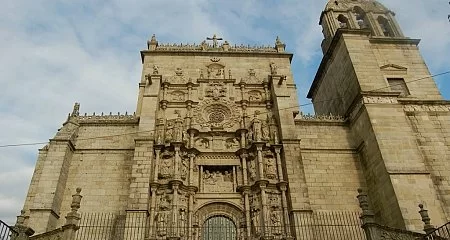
<point x="218" y="145"/>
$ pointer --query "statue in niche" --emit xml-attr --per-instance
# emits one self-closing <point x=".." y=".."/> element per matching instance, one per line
<point x="166" y="165"/>
<point x="161" y="223"/>
<point x="256" y="127"/>
<point x="208" y="178"/>
<point x="275" y="136"/>
<point x="255" y="222"/>
<point x="250" y="136"/>
<point x="252" y="170"/>
<point x="179" y="131"/>
<point x="184" y="168"/>
<point x="273" y="68"/>
<point x="201" y="74"/>
<point x="265" y="132"/>
<point x="169" y="132"/>
<point x="275" y="222"/>
<point x="271" y="169"/>
<point x="182" y="221"/>
<point x="159" y="137"/>
<point x="227" y="177"/>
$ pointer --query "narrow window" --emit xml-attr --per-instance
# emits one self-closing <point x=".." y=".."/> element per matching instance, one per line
<point x="360" y="17"/>
<point x="385" y="27"/>
<point x="398" y="85"/>
<point x="343" y="21"/>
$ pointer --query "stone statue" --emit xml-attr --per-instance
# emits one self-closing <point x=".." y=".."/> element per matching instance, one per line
<point x="166" y="166"/>
<point x="169" y="133"/>
<point x="161" y="223"/>
<point x="252" y="170"/>
<point x="255" y="222"/>
<point x="271" y="169"/>
<point x="155" y="69"/>
<point x="265" y="132"/>
<point x="184" y="168"/>
<point x="182" y="222"/>
<point x="275" y="223"/>
<point x="76" y="110"/>
<point x="275" y="137"/>
<point x="273" y="68"/>
<point x="256" y="127"/>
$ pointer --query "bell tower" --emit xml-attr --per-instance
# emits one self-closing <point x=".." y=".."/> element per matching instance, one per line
<point x="370" y="73"/>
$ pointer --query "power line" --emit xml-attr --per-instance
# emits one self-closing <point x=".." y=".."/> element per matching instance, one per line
<point x="281" y="109"/>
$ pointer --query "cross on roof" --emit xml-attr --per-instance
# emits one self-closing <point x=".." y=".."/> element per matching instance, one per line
<point x="214" y="39"/>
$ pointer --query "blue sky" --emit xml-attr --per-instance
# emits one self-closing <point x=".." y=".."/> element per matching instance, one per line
<point x="54" y="53"/>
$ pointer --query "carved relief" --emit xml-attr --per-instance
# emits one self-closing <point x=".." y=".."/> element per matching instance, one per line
<point x="163" y="214"/>
<point x="275" y="222"/>
<point x="216" y="90"/>
<point x="202" y="143"/>
<point x="271" y="168"/>
<point x="184" y="166"/>
<point x="155" y="69"/>
<point x="251" y="78"/>
<point x="177" y="96"/>
<point x="426" y="108"/>
<point x="232" y="143"/>
<point x="166" y="165"/>
<point x="273" y="68"/>
<point x="179" y="77"/>
<point x="218" y="181"/>
<point x="254" y="96"/>
<point x="252" y="170"/>
<point x="371" y="99"/>
<point x="255" y="215"/>
<point x="169" y="132"/>
<point x="216" y="71"/>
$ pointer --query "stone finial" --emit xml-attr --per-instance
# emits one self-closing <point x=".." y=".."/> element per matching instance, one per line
<point x="76" y="200"/>
<point x="153" y="43"/>
<point x="367" y="215"/>
<point x="428" y="228"/>
<point x="21" y="218"/>
<point x="279" y="45"/>
<point x="76" y="110"/>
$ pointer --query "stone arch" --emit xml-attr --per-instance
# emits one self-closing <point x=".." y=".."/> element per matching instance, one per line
<point x="385" y="26"/>
<point x="343" y="21"/>
<point x="360" y="16"/>
<point x="225" y="208"/>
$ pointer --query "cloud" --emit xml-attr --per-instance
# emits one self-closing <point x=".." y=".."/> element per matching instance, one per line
<point x="57" y="52"/>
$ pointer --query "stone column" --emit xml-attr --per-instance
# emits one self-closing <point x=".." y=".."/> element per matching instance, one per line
<point x="247" y="211"/>
<point x="287" y="225"/>
<point x="244" y="168"/>
<point x="176" y="162"/>
<point x="201" y="179"/>
<point x="175" y="232"/>
<point x="191" y="169"/>
<point x="278" y="159"/>
<point x="153" y="189"/>
<point x="260" y="161"/>
<point x="156" y="164"/>
<point x="190" y="214"/>
<point x="234" y="179"/>
<point x="264" y="211"/>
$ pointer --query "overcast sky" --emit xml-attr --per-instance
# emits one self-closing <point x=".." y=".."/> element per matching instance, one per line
<point x="54" y="53"/>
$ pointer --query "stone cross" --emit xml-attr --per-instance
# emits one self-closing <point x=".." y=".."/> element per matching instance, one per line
<point x="214" y="39"/>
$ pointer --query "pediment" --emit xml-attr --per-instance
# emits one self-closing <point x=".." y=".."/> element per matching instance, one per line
<point x="393" y="67"/>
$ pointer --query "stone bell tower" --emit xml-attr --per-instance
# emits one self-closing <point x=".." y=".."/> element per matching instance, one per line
<point x="374" y="75"/>
<point x="217" y="148"/>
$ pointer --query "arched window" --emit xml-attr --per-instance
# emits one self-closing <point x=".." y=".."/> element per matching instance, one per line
<point x="343" y="21"/>
<point x="360" y="17"/>
<point x="219" y="227"/>
<point x="385" y="27"/>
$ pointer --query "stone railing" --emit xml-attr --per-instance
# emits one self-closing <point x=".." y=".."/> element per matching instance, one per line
<point x="320" y="118"/>
<point x="376" y="231"/>
<point x="66" y="232"/>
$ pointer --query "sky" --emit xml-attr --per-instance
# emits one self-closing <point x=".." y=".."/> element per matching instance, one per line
<point x="55" y="53"/>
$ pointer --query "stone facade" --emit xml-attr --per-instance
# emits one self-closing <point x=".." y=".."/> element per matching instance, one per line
<point x="217" y="133"/>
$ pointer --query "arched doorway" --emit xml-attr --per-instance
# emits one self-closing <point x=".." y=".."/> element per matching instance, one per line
<point x="219" y="228"/>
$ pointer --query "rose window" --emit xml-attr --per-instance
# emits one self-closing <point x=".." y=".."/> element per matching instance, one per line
<point x="216" y="117"/>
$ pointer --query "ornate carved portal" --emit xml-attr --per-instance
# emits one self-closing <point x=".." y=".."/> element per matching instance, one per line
<point x="217" y="164"/>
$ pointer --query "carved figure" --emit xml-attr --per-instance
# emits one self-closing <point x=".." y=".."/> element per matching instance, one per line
<point x="155" y="69"/>
<point x="182" y="221"/>
<point x="256" y="127"/>
<point x="215" y="40"/>
<point x="265" y="132"/>
<point x="255" y="222"/>
<point x="216" y="90"/>
<point x="161" y="224"/>
<point x="252" y="170"/>
<point x="169" y="133"/>
<point x="275" y="223"/>
<point x="271" y="168"/>
<point x="275" y="136"/>
<point x="184" y="168"/>
<point x="227" y="176"/>
<point x="76" y="110"/>
<point x="254" y="96"/>
<point x="166" y="165"/>
<point x="231" y="143"/>
<point x="273" y="68"/>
